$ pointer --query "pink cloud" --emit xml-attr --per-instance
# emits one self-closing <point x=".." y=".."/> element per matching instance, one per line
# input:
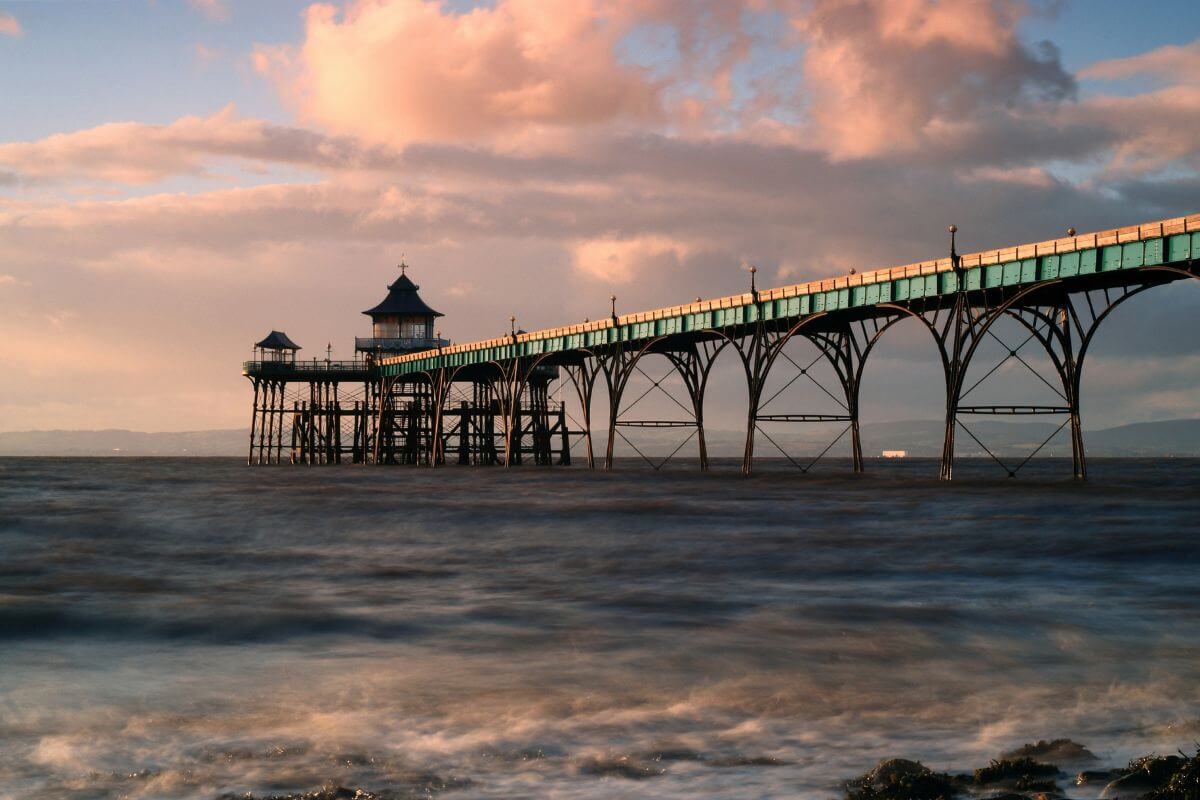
<point x="206" y="55"/>
<point x="136" y="153"/>
<point x="621" y="260"/>
<point x="883" y="75"/>
<point x="213" y="9"/>
<point x="9" y="25"/>
<point x="1177" y="63"/>
<point x="1156" y="129"/>
<point x="1150" y="131"/>
<point x="406" y="70"/>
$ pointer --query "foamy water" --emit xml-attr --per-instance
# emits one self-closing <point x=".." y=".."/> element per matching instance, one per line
<point x="195" y="629"/>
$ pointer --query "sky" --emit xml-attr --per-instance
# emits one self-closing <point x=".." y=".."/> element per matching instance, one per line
<point x="179" y="177"/>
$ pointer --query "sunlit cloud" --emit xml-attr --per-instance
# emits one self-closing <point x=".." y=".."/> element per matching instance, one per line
<point x="9" y="25"/>
<point x="213" y="9"/>
<point x="1175" y="63"/>
<point x="887" y="75"/>
<point x="416" y="70"/>
<point x="205" y="55"/>
<point x="617" y="261"/>
<point x="136" y="153"/>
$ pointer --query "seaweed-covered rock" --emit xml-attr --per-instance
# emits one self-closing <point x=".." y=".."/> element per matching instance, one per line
<point x="1056" y="751"/>
<point x="670" y="754"/>
<point x="1143" y="775"/>
<point x="327" y="792"/>
<point x="1027" y="784"/>
<point x="1014" y="770"/>
<point x="1184" y="783"/>
<point x="901" y="779"/>
<point x="623" y="767"/>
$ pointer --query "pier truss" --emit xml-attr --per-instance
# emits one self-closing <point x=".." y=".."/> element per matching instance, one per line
<point x="345" y="412"/>
<point x="504" y="401"/>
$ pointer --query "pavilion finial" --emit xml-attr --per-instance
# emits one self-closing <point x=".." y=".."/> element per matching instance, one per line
<point x="402" y="266"/>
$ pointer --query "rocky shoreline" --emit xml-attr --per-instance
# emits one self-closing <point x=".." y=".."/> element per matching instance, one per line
<point x="1035" y="772"/>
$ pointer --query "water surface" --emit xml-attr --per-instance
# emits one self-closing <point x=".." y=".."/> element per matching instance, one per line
<point x="196" y="629"/>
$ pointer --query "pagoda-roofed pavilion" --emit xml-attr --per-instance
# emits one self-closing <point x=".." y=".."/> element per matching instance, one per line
<point x="402" y="322"/>
<point x="276" y="346"/>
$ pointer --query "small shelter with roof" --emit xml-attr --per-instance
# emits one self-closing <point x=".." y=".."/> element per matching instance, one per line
<point x="402" y="321"/>
<point x="276" y="346"/>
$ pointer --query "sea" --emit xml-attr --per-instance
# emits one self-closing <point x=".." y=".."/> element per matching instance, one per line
<point x="197" y="628"/>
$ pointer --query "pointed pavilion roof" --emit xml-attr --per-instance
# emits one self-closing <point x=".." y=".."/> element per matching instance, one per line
<point x="277" y="340"/>
<point x="402" y="298"/>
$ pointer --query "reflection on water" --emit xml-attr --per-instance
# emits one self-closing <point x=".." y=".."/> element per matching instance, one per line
<point x="199" y="629"/>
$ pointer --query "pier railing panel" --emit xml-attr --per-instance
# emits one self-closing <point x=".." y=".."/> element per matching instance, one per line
<point x="1148" y="244"/>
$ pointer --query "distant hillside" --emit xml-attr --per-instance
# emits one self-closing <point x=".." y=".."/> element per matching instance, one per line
<point x="924" y="438"/>
<point x="918" y="437"/>
<point x="124" y="443"/>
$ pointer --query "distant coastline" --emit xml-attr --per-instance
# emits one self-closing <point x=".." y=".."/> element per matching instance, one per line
<point x="918" y="438"/>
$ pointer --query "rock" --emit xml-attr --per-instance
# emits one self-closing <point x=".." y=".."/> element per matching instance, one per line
<point x="620" y="768"/>
<point x="327" y="792"/>
<point x="671" y="754"/>
<point x="1058" y="751"/>
<point x="1027" y="784"/>
<point x="1159" y="768"/>
<point x="1184" y="783"/>
<point x="1014" y="770"/>
<point x="894" y="769"/>
<point x="1143" y="775"/>
<point x="901" y="779"/>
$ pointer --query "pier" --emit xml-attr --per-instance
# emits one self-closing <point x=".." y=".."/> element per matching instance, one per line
<point x="410" y="397"/>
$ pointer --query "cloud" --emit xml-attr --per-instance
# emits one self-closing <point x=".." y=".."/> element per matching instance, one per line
<point x="137" y="153"/>
<point x="896" y="75"/>
<point x="213" y="9"/>
<point x="616" y="260"/>
<point x="1176" y="63"/>
<point x="206" y="55"/>
<point x="415" y="70"/>
<point x="9" y="25"/>
<point x="1155" y="129"/>
<point x="1150" y="132"/>
<point x="1028" y="176"/>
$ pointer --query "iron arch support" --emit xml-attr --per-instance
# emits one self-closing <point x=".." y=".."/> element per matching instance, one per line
<point x="844" y="347"/>
<point x="964" y="335"/>
<point x="692" y="363"/>
<point x="583" y="377"/>
<point x="1064" y="323"/>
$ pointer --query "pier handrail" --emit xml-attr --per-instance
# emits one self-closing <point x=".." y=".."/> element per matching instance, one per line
<point x="318" y="366"/>
<point x="1068" y="244"/>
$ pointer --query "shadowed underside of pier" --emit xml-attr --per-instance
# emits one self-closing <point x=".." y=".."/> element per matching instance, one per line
<point x="489" y="402"/>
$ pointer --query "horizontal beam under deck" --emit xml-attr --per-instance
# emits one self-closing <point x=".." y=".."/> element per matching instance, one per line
<point x="1153" y="253"/>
